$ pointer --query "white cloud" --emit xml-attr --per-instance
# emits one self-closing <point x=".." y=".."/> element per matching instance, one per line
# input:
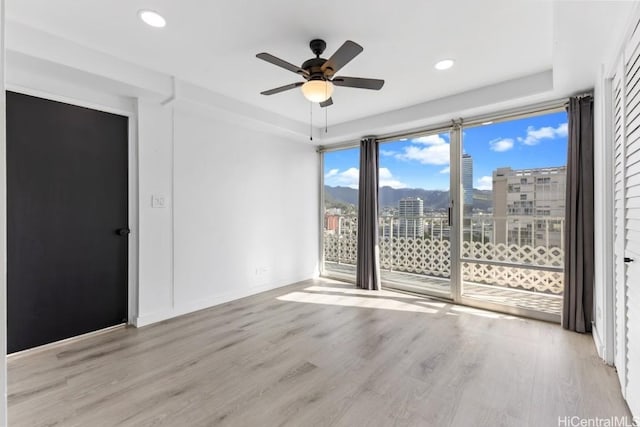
<point x="347" y="178"/>
<point x="388" y="153"/>
<point x="563" y="129"/>
<point x="384" y="173"/>
<point x="430" y="140"/>
<point x="534" y="136"/>
<point x="387" y="180"/>
<point x="484" y="183"/>
<point x="428" y="150"/>
<point x="446" y="170"/>
<point x="501" y="144"/>
<point x="437" y="154"/>
<point x="351" y="177"/>
<point x="332" y="172"/>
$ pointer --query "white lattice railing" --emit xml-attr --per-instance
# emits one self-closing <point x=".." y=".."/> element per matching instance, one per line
<point x="525" y="266"/>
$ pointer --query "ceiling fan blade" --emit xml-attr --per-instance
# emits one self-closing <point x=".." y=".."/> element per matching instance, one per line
<point x="282" y="88"/>
<point x="326" y="103"/>
<point x="343" y="55"/>
<point x="282" y="63"/>
<point x="357" y="82"/>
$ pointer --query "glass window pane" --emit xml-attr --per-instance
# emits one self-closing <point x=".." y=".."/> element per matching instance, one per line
<point x="516" y="216"/>
<point x="341" y="175"/>
<point x="413" y="204"/>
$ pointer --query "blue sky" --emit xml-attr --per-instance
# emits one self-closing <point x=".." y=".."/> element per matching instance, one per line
<point x="532" y="142"/>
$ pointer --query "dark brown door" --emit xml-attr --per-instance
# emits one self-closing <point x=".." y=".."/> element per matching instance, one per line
<point x="66" y="220"/>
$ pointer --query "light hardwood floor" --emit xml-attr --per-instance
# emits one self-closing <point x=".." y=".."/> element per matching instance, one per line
<point x="319" y="353"/>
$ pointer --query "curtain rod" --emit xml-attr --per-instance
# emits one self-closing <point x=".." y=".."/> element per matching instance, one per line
<point x="583" y="94"/>
<point x="503" y="115"/>
<point x="579" y="95"/>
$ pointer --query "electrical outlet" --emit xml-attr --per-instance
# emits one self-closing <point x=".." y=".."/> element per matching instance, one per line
<point x="158" y="201"/>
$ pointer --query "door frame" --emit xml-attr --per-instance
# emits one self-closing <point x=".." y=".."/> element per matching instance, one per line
<point x="605" y="336"/>
<point x="455" y="203"/>
<point x="133" y="188"/>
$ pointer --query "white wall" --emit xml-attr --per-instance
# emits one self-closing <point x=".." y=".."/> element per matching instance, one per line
<point x="155" y="225"/>
<point x="246" y="210"/>
<point x="241" y="215"/>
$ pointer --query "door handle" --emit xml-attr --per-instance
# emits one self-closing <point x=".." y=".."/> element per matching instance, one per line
<point x="627" y="259"/>
<point x="123" y="231"/>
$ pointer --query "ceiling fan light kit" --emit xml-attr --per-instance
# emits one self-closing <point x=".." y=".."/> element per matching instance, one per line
<point x="317" y="90"/>
<point x="319" y="72"/>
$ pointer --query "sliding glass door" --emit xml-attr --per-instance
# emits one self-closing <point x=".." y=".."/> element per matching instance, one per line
<point x="485" y="229"/>
<point x="514" y="177"/>
<point x="415" y="221"/>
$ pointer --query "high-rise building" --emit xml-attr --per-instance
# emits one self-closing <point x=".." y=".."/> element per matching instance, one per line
<point x="331" y="222"/>
<point x="528" y="205"/>
<point x="411" y="217"/>
<point x="467" y="182"/>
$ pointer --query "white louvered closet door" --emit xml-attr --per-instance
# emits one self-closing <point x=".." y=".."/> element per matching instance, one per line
<point x="619" y="244"/>
<point x="626" y="87"/>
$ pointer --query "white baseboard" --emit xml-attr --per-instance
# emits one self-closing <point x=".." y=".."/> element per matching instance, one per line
<point x="208" y="302"/>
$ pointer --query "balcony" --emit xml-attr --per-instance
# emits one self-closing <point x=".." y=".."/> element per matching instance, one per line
<point x="513" y="261"/>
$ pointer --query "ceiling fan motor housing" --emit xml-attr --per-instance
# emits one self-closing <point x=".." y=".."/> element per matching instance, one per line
<point x="314" y="67"/>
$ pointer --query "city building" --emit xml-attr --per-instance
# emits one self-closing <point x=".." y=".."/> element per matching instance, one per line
<point x="331" y="222"/>
<point x="410" y="217"/>
<point x="467" y="183"/>
<point x="528" y="205"/>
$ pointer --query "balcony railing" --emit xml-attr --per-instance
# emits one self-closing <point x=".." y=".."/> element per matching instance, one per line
<point x="524" y="252"/>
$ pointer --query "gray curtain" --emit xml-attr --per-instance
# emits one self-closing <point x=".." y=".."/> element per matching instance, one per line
<point x="578" y="257"/>
<point x="368" y="257"/>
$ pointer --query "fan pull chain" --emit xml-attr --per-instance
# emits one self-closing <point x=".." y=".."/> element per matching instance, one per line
<point x="311" y="121"/>
<point x="326" y="120"/>
<point x="325" y="109"/>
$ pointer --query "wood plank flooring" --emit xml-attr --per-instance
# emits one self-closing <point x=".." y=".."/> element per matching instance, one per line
<point x="319" y="353"/>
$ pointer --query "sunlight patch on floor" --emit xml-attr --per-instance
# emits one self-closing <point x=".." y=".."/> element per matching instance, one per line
<point x="356" y="291"/>
<point x="481" y="313"/>
<point x="356" y="301"/>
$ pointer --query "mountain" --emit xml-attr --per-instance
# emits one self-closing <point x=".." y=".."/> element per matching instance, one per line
<point x="433" y="199"/>
<point x="346" y="195"/>
<point x="389" y="197"/>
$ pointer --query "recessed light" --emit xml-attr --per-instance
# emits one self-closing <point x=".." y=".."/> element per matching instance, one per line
<point x="152" y="18"/>
<point x="487" y="123"/>
<point x="445" y="64"/>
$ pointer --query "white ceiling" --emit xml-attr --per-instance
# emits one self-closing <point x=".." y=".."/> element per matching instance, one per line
<point x="213" y="44"/>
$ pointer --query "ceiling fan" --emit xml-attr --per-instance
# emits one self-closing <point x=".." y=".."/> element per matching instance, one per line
<point x="319" y="73"/>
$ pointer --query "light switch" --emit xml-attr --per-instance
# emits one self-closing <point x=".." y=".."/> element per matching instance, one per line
<point x="158" y="201"/>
